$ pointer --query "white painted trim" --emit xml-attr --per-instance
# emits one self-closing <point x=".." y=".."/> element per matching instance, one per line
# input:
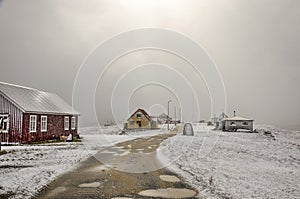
<point x="32" y="116"/>
<point x="7" y="122"/>
<point x="73" y="125"/>
<point x="44" y="130"/>
<point x="66" y="127"/>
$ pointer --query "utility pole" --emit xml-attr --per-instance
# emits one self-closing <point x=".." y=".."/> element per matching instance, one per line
<point x="180" y="119"/>
<point x="175" y="115"/>
<point x="168" y="119"/>
<point x="192" y="109"/>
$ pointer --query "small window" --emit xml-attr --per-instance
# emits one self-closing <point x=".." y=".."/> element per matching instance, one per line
<point x="232" y="123"/>
<point x="32" y="123"/>
<point x="43" y="123"/>
<point x="138" y="115"/>
<point x="66" y="123"/>
<point x="131" y="122"/>
<point x="4" y="123"/>
<point x="245" y="123"/>
<point x="73" y="123"/>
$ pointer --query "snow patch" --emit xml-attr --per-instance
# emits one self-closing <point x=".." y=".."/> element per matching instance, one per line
<point x="26" y="169"/>
<point x="169" y="178"/>
<point x="168" y="193"/>
<point x="239" y="165"/>
<point x="90" y="185"/>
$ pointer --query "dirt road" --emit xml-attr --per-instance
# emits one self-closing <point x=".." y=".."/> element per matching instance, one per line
<point x="131" y="170"/>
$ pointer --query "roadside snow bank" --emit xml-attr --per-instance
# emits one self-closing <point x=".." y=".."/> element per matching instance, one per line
<point x="26" y="169"/>
<point x="239" y="165"/>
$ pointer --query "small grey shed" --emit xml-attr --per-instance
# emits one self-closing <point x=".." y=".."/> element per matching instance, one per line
<point x="188" y="129"/>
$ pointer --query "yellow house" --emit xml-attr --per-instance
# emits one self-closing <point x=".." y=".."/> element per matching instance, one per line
<point x="140" y="119"/>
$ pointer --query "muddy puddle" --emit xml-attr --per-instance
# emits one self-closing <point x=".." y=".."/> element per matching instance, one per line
<point x="168" y="193"/>
<point x="90" y="185"/>
<point x="121" y="198"/>
<point x="169" y="178"/>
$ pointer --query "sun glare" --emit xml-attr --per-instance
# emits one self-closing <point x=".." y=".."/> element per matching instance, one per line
<point x="150" y="4"/>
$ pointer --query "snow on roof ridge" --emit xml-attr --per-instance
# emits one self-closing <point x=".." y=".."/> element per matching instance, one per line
<point x="236" y="118"/>
<point x="23" y="87"/>
<point x="35" y="100"/>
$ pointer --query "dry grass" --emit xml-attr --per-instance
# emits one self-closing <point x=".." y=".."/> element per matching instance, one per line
<point x="2" y="152"/>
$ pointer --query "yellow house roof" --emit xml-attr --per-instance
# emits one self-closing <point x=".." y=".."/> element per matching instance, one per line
<point x="142" y="111"/>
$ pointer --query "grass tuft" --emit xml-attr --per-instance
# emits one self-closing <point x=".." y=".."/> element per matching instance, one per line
<point x="7" y="195"/>
<point x="2" y="152"/>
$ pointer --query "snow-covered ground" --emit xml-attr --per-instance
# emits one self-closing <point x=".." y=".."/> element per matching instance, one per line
<point x="25" y="169"/>
<point x="236" y="164"/>
<point x="95" y="137"/>
<point x="218" y="164"/>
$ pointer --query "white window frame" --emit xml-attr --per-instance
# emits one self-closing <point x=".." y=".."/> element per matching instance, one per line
<point x="32" y="130"/>
<point x="42" y="122"/>
<point x="73" y="123"/>
<point x="5" y="121"/>
<point x="139" y="115"/>
<point x="66" y="124"/>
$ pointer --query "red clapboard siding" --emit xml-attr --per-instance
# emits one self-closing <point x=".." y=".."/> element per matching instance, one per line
<point x="15" y="120"/>
<point x="55" y="128"/>
<point x="19" y="124"/>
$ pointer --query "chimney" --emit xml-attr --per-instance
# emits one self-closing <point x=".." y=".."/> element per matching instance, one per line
<point x="233" y="113"/>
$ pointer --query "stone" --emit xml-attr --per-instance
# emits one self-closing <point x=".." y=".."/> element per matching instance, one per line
<point x="188" y="129"/>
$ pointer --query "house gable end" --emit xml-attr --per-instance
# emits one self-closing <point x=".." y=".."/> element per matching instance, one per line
<point x="143" y="112"/>
<point x="12" y="101"/>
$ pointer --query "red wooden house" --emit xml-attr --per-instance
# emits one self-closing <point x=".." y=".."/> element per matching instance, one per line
<point x="33" y="115"/>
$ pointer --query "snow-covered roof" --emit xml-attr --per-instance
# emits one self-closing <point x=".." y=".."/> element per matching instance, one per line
<point x="237" y="118"/>
<point x="35" y="101"/>
<point x="223" y="115"/>
<point x="163" y="115"/>
<point x="142" y="111"/>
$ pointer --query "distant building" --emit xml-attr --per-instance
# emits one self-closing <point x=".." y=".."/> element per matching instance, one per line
<point x="109" y="123"/>
<point x="216" y="120"/>
<point x="235" y="123"/>
<point x="33" y="115"/>
<point x="163" y="118"/>
<point x="140" y="119"/>
<point x="219" y="124"/>
<point x="222" y="116"/>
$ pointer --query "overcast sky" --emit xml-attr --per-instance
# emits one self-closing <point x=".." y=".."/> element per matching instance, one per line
<point x="255" y="45"/>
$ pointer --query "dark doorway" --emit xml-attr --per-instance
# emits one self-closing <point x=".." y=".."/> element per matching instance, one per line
<point x="139" y="123"/>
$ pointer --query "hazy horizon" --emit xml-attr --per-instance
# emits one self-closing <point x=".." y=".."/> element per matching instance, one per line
<point x="254" y="45"/>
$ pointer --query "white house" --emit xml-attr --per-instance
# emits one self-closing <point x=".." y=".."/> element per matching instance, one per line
<point x="235" y="123"/>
